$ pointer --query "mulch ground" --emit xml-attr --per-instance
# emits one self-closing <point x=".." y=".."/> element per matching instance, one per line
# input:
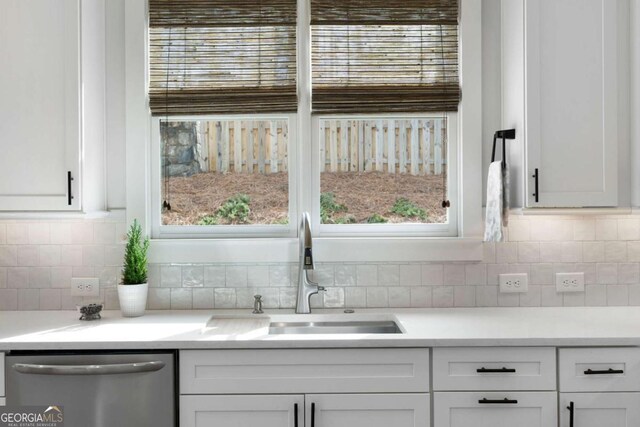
<point x="363" y="193"/>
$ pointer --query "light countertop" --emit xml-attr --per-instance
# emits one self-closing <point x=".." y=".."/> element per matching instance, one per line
<point x="579" y="326"/>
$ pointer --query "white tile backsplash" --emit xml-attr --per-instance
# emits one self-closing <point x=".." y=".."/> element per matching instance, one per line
<point x="421" y="297"/>
<point x="355" y="297"/>
<point x="400" y="297"/>
<point x="38" y="259"/>
<point x="389" y="275"/>
<point x="28" y="256"/>
<point x="236" y="276"/>
<point x="367" y="275"/>
<point x="442" y="296"/>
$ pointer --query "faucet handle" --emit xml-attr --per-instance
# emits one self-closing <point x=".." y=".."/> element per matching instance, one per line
<point x="321" y="288"/>
<point x="308" y="259"/>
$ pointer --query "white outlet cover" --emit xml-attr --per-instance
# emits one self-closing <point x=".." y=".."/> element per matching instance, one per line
<point x="514" y="283"/>
<point x="570" y="282"/>
<point x="85" y="287"/>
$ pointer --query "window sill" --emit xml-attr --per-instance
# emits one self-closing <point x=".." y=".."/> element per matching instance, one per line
<point x="325" y="250"/>
<point x="112" y="215"/>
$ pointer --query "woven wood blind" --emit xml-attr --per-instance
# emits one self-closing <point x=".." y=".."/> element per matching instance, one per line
<point x="373" y="56"/>
<point x="222" y="57"/>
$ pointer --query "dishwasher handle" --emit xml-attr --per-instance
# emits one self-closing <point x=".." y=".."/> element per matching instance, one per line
<point x="120" y="368"/>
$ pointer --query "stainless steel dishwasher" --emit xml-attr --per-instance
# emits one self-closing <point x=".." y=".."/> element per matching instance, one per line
<point x="96" y="389"/>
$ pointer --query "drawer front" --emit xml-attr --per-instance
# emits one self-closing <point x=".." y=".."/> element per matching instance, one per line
<point x="494" y="368"/>
<point x="495" y="409"/>
<point x="304" y="371"/>
<point x="599" y="369"/>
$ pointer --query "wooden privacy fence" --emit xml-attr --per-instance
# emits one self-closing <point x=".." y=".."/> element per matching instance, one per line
<point x="395" y="146"/>
<point x="245" y="146"/>
<point x="404" y="146"/>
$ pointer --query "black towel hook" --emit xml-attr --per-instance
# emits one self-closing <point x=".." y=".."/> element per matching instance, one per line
<point x="504" y="134"/>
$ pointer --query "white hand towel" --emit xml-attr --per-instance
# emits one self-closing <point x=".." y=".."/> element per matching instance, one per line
<point x="497" y="214"/>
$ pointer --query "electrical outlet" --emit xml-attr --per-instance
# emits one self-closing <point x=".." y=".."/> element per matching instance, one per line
<point x="85" y="287"/>
<point x="570" y="282"/>
<point x="512" y="283"/>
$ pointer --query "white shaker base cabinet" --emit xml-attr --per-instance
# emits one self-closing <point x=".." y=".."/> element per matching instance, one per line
<point x="600" y="409"/>
<point x="241" y="411"/>
<point x="367" y="410"/>
<point x="533" y="409"/>
<point x="318" y="410"/>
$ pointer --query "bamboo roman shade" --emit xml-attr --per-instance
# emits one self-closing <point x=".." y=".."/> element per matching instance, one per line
<point x="222" y="57"/>
<point x="376" y="56"/>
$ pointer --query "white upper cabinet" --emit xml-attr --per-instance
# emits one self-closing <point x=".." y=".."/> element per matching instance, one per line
<point x="39" y="104"/>
<point x="565" y="103"/>
<point x="53" y="93"/>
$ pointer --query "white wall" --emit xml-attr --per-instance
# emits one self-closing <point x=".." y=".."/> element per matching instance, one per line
<point x="635" y="101"/>
<point x="115" y="99"/>
<point x="624" y="77"/>
<point x="491" y="82"/>
<point x="93" y="104"/>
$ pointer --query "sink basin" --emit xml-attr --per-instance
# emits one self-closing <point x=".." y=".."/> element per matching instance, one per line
<point x="348" y="327"/>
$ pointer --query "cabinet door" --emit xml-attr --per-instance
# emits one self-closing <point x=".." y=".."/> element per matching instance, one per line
<point x="367" y="410"/>
<point x="39" y="104"/>
<point x="600" y="409"/>
<point x="242" y="411"/>
<point x="530" y="409"/>
<point x="571" y="50"/>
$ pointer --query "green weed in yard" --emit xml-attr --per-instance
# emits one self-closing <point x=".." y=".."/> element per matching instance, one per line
<point x="377" y="219"/>
<point x="407" y="209"/>
<point x="236" y="209"/>
<point x="208" y="220"/>
<point x="329" y="207"/>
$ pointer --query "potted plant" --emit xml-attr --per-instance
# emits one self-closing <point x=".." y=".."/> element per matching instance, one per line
<point x="132" y="292"/>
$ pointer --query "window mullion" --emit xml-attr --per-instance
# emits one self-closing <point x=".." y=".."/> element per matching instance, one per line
<point x="307" y="192"/>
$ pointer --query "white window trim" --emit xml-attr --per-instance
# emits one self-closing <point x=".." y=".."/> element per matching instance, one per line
<point x="222" y="231"/>
<point x="466" y="247"/>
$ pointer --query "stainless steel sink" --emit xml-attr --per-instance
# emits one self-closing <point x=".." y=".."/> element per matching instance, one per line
<point x="350" y="327"/>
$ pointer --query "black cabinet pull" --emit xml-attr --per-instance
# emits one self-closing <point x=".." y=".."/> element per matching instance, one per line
<point x="609" y="371"/>
<point x="69" y="195"/>
<point x="313" y="415"/>
<point x="497" y="401"/>
<point x="295" y="415"/>
<point x="535" y="183"/>
<point x="570" y="408"/>
<point x="484" y="370"/>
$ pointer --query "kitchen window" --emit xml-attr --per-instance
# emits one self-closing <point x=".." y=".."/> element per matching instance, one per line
<point x="304" y="101"/>
<point x="388" y="69"/>
<point x="385" y="91"/>
<point x="223" y="92"/>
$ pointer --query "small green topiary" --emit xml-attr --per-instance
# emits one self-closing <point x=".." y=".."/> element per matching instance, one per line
<point x="135" y="256"/>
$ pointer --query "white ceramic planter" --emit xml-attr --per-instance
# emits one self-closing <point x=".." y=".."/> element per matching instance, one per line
<point x="133" y="299"/>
